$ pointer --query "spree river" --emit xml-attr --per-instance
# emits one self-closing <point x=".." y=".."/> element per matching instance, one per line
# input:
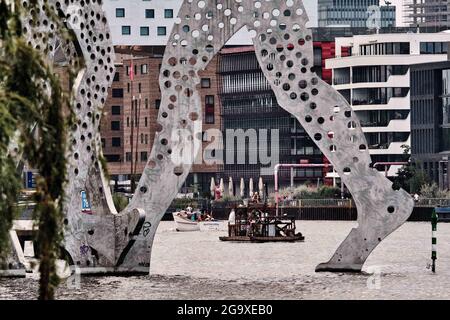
<point x="196" y="265"/>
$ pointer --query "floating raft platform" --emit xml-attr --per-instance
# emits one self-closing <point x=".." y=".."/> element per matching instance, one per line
<point x="295" y="238"/>
<point x="255" y="223"/>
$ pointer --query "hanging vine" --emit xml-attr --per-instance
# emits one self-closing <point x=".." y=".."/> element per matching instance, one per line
<point x="31" y="97"/>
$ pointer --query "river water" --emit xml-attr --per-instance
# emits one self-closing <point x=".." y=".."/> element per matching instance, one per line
<point x="196" y="265"/>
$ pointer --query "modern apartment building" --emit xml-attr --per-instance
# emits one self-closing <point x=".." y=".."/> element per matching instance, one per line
<point x="427" y="13"/>
<point x="355" y="13"/>
<point x="148" y="22"/>
<point x="430" y="120"/>
<point x="375" y="79"/>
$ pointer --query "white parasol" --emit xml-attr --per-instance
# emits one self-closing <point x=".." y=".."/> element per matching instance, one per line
<point x="212" y="187"/>
<point x="261" y="187"/>
<point x="230" y="187"/>
<point x="221" y="187"/>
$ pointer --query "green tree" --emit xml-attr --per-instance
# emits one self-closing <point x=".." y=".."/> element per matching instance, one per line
<point x="409" y="177"/>
<point x="31" y="108"/>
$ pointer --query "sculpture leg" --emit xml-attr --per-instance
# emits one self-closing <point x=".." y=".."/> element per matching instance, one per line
<point x="201" y="29"/>
<point x="285" y="52"/>
<point x="97" y="237"/>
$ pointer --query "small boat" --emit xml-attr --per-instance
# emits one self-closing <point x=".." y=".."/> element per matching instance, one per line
<point x="183" y="223"/>
<point x="188" y="221"/>
<point x="255" y="224"/>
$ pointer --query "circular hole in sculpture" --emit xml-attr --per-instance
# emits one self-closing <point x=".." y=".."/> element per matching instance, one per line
<point x="302" y="84"/>
<point x="178" y="171"/>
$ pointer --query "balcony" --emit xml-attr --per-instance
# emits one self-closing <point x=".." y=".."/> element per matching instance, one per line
<point x="394" y="125"/>
<point x="394" y="103"/>
<point x="389" y="148"/>
<point x="392" y="81"/>
<point x="358" y="60"/>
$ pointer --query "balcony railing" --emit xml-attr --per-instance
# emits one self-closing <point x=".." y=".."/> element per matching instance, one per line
<point x="343" y="80"/>
<point x="358" y="102"/>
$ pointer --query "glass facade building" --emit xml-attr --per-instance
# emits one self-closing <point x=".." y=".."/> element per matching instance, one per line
<point x="354" y="13"/>
<point x="430" y="120"/>
<point x="249" y="104"/>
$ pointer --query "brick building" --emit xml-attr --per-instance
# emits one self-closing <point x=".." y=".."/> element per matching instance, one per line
<point x="132" y="109"/>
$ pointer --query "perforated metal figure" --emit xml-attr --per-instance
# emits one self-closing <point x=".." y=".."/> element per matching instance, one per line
<point x="284" y="50"/>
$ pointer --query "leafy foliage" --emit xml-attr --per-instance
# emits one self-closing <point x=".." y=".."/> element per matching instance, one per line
<point x="307" y="192"/>
<point x="9" y="180"/>
<point x="31" y="104"/>
<point x="409" y="177"/>
<point x="120" y="201"/>
<point x="432" y="191"/>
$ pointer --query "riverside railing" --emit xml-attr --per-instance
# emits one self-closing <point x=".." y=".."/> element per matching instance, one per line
<point x="433" y="202"/>
<point x="304" y="203"/>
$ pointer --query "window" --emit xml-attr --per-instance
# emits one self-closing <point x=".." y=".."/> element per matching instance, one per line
<point x="146" y="122"/>
<point x="157" y="104"/>
<point x="146" y="103"/>
<point x="116" y="142"/>
<point x="145" y="31"/>
<point x="126" y="30"/>
<point x="146" y="139"/>
<point x="433" y="47"/>
<point x="112" y="157"/>
<point x="144" y="156"/>
<point x="144" y="68"/>
<point x="115" y="110"/>
<point x="168" y="13"/>
<point x="149" y="13"/>
<point x="103" y="143"/>
<point x="128" y="156"/>
<point x="209" y="109"/>
<point x="115" y="125"/>
<point x="117" y="76"/>
<point x="162" y="31"/>
<point x="117" y="93"/>
<point x="120" y="13"/>
<point x="206" y="83"/>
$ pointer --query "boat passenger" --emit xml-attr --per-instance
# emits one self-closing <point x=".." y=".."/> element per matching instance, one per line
<point x="232" y="223"/>
<point x="255" y="197"/>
